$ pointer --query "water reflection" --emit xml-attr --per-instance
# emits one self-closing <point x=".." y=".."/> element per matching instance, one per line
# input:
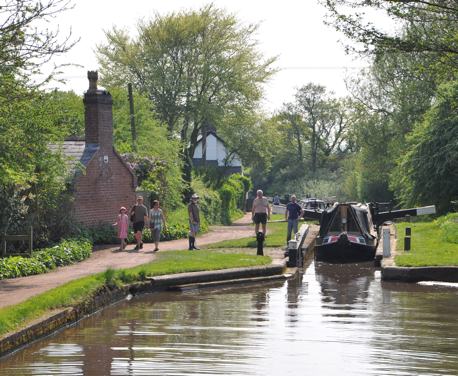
<point x="344" y="288"/>
<point x="331" y="320"/>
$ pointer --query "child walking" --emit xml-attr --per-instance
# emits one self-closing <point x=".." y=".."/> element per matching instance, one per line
<point x="122" y="223"/>
<point x="156" y="222"/>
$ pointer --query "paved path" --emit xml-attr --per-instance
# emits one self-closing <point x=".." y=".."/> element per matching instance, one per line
<point x="13" y="291"/>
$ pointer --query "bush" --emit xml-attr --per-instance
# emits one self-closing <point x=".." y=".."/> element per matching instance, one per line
<point x="66" y="253"/>
<point x="107" y="234"/>
<point x="232" y="194"/>
<point x="102" y="233"/>
<point x="449" y="227"/>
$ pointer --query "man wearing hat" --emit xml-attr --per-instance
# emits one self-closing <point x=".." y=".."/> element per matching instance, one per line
<point x="194" y="221"/>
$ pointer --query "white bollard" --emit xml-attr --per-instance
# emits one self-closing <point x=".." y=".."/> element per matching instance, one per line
<point x="386" y="242"/>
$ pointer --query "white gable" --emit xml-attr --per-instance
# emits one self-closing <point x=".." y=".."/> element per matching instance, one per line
<point x="216" y="151"/>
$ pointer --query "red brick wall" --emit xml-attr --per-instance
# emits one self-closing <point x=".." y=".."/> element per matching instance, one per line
<point x="98" y="119"/>
<point x="103" y="189"/>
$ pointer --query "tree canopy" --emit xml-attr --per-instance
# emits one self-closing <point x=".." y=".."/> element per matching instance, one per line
<point x="196" y="67"/>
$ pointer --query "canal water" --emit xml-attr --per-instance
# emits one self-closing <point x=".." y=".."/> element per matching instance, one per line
<point x="331" y="320"/>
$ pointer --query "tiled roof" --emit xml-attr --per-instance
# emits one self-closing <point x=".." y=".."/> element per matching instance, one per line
<point x="76" y="151"/>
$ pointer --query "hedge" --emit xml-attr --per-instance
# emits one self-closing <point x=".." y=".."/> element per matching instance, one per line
<point x="232" y="194"/>
<point x="66" y="252"/>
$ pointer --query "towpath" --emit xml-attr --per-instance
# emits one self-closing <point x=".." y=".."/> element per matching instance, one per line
<point x="16" y="290"/>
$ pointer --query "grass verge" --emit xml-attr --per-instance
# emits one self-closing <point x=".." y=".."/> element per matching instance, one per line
<point x="276" y="237"/>
<point x="17" y="316"/>
<point x="432" y="243"/>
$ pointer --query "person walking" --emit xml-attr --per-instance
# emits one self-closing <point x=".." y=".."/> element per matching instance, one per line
<point x="260" y="211"/>
<point x="156" y="223"/>
<point x="194" y="221"/>
<point x="292" y="214"/>
<point x="122" y="222"/>
<point x="139" y="216"/>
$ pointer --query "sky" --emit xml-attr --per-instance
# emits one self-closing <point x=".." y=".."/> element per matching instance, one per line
<point x="293" y="30"/>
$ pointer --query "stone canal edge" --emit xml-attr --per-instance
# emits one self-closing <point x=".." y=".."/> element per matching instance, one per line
<point x="61" y="319"/>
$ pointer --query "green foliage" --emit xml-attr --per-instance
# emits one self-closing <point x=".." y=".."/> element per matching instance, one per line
<point x="106" y="234"/>
<point x="65" y="253"/>
<point x="427" y="173"/>
<point x="224" y="204"/>
<point x="423" y="28"/>
<point x="109" y="277"/>
<point x="67" y="112"/>
<point x="195" y="66"/>
<point x="449" y="227"/>
<point x="255" y="139"/>
<point x="31" y="175"/>
<point x="155" y="156"/>
<point x="393" y="143"/>
<point x="232" y="193"/>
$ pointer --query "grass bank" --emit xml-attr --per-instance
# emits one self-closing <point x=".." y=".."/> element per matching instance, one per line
<point x="433" y="243"/>
<point x="15" y="317"/>
<point x="276" y="237"/>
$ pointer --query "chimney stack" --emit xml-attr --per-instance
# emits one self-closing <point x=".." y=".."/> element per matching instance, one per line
<point x="98" y="114"/>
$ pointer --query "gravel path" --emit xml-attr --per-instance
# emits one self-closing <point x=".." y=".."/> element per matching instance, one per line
<point x="14" y="291"/>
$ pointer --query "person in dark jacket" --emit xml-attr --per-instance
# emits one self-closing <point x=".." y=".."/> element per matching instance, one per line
<point x="139" y="216"/>
<point x="194" y="221"/>
<point x="292" y="214"/>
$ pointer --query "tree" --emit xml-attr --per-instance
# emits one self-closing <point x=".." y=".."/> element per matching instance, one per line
<point x="67" y="112"/>
<point x="430" y="25"/>
<point x="24" y="45"/>
<point x="427" y="173"/>
<point x="157" y="160"/>
<point x="31" y="176"/>
<point x="325" y="119"/>
<point x="195" y="66"/>
<point x="256" y="140"/>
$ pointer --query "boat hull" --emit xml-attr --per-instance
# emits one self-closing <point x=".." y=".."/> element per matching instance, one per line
<point x="343" y="251"/>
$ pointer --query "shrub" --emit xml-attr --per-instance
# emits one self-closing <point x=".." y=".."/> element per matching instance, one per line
<point x="232" y="194"/>
<point x="449" y="227"/>
<point x="67" y="252"/>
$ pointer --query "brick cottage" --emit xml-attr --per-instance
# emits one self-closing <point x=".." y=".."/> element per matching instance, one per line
<point x="102" y="180"/>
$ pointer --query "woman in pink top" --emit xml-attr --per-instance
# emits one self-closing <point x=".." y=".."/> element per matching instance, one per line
<point x="123" y="226"/>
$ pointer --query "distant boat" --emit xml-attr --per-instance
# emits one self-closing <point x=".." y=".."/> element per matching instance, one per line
<point x="312" y="204"/>
<point x="350" y="232"/>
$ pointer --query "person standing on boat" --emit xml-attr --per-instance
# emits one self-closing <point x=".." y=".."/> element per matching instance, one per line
<point x="292" y="214"/>
<point x="260" y="211"/>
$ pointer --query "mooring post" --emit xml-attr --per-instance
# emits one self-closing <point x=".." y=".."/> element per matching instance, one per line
<point x="407" y="243"/>
<point x="260" y="243"/>
<point x="386" y="242"/>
